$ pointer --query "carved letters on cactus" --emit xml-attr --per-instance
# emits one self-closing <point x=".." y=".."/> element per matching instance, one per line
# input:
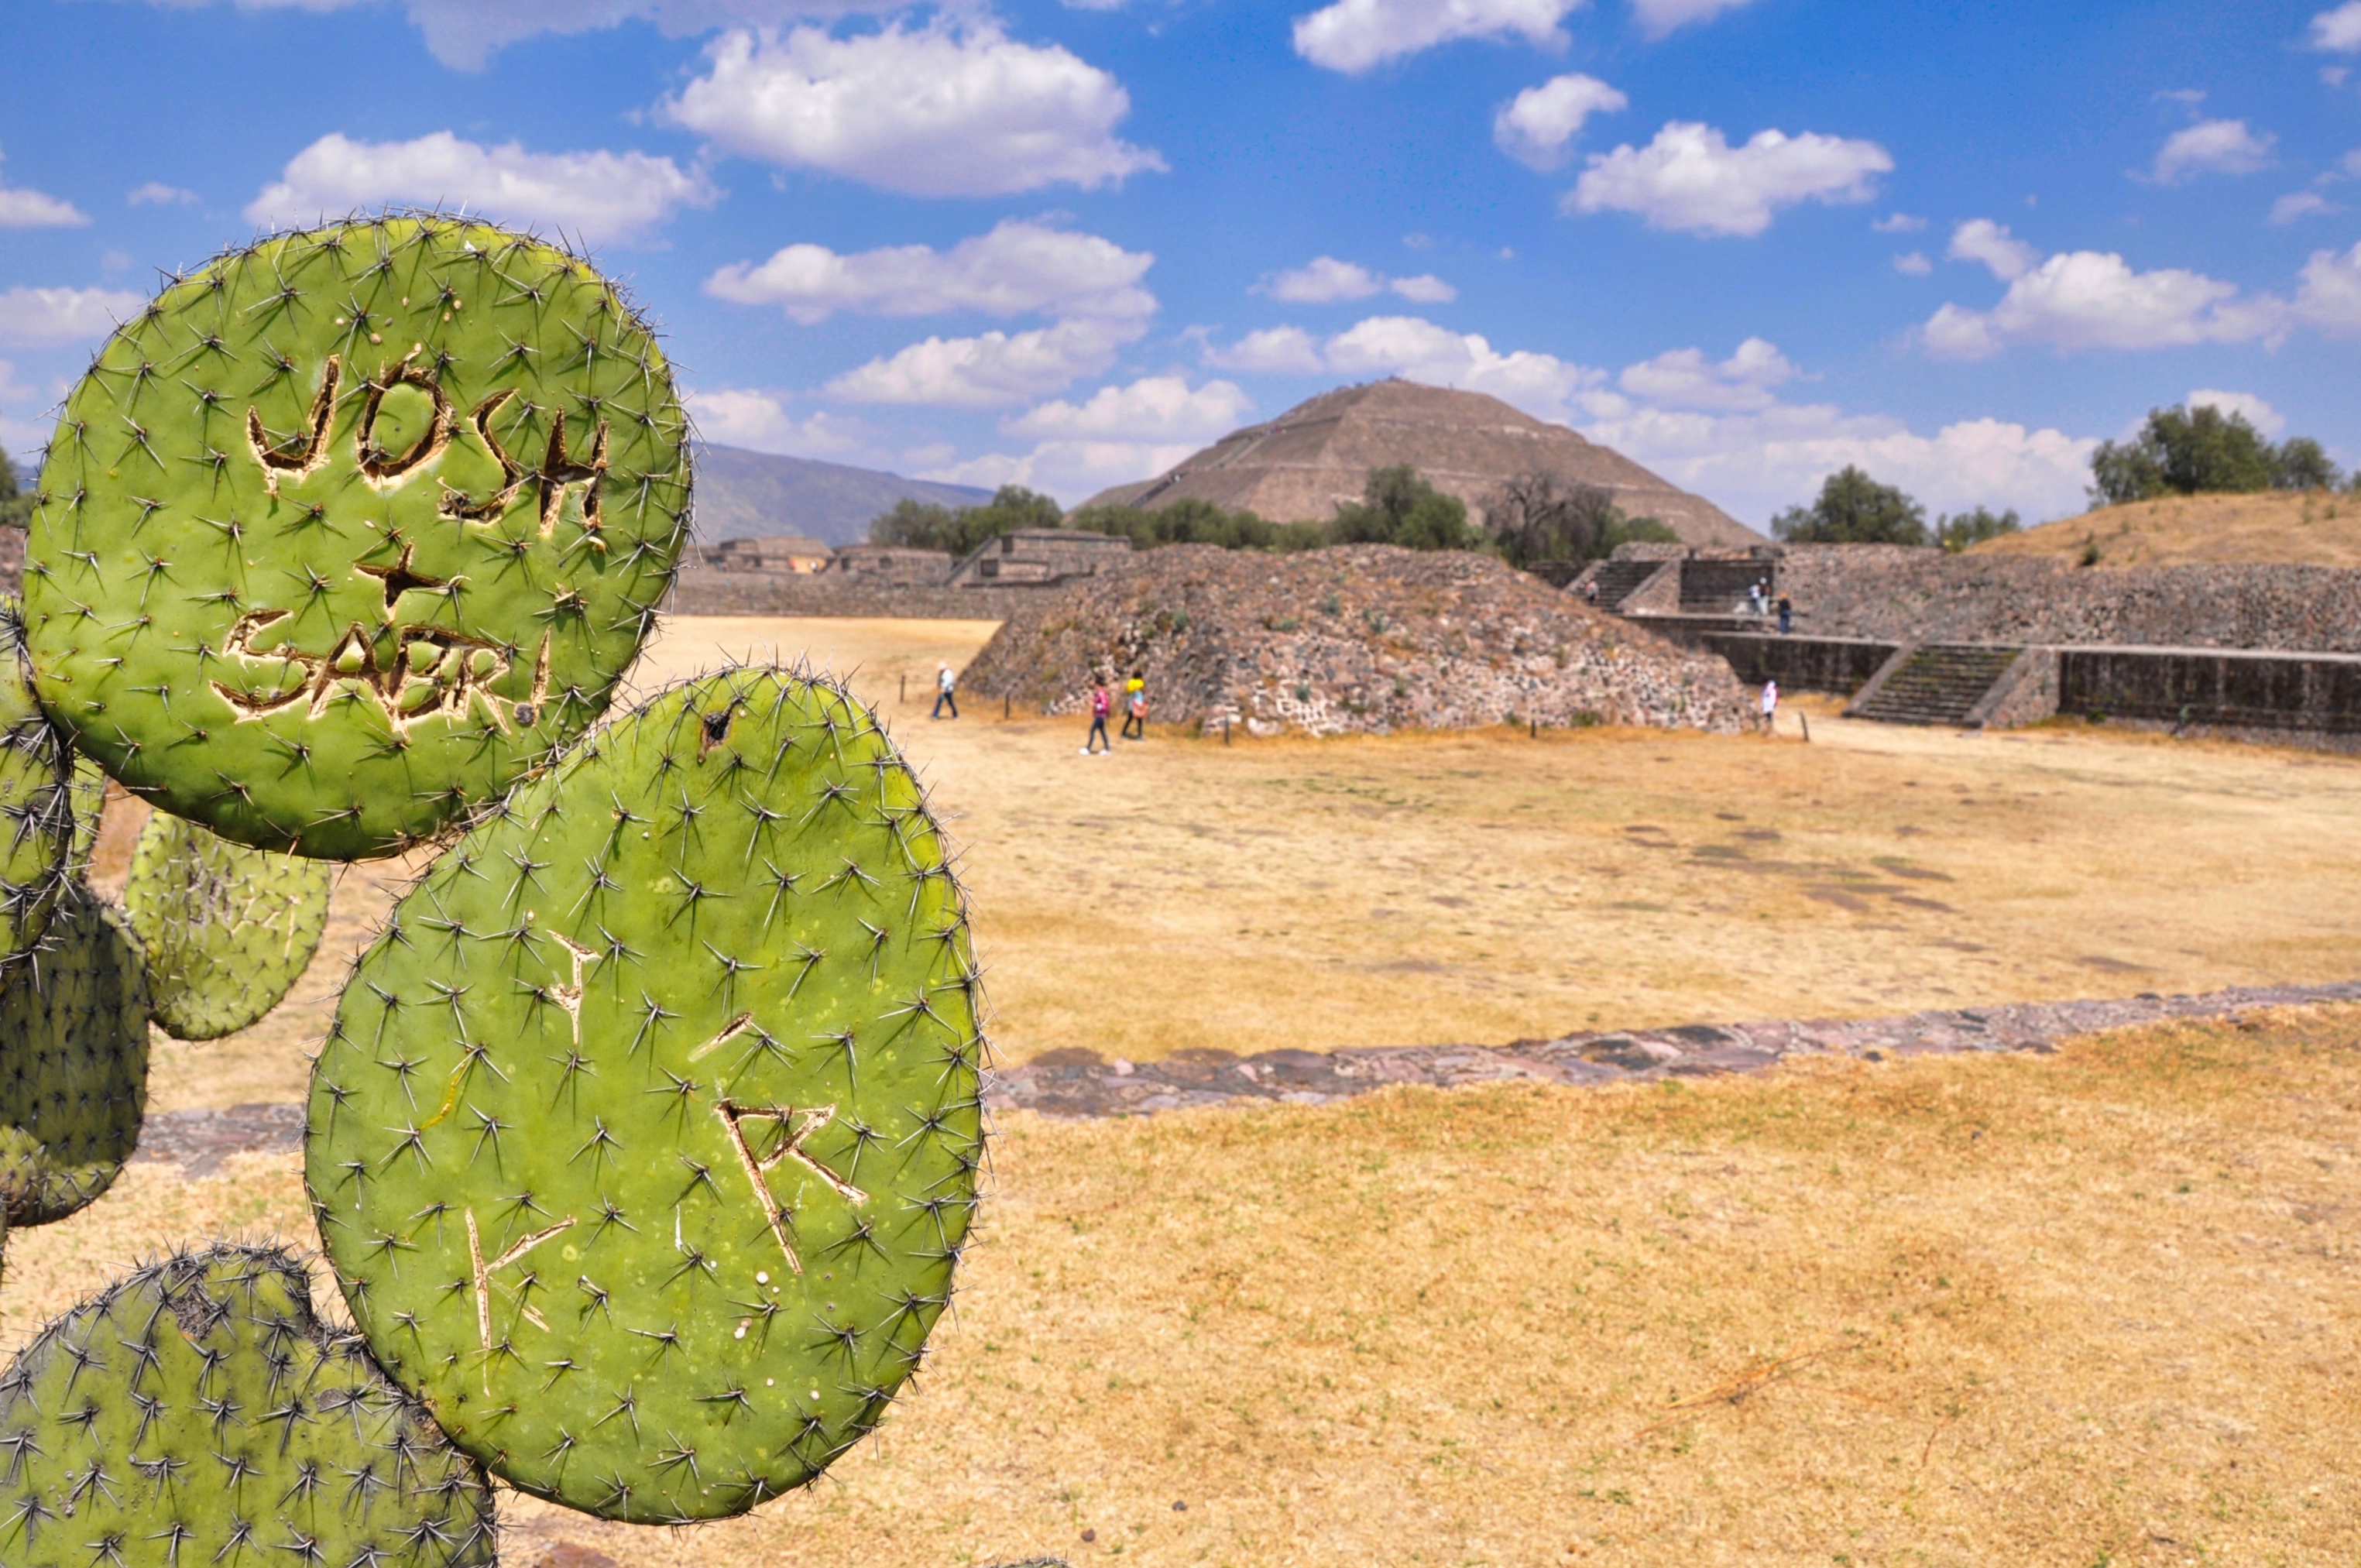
<point x="353" y="526"/>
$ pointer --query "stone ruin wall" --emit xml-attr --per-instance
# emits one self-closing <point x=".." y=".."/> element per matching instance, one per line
<point x="1897" y="594"/>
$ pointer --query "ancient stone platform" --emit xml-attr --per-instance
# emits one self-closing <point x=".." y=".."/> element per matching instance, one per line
<point x="1080" y="1083"/>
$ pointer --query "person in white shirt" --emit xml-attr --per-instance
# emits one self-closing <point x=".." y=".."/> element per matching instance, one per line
<point x="945" y="690"/>
<point x="1770" y="706"/>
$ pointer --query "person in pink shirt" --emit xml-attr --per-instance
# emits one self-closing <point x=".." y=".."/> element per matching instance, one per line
<point x="1100" y="704"/>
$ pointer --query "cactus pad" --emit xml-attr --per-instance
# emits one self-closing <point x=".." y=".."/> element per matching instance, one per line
<point x="86" y="792"/>
<point x="227" y="929"/>
<point x="350" y="528"/>
<point x="36" y="816"/>
<point x="645" y="1138"/>
<point x="74" y="1063"/>
<point x="196" y="1412"/>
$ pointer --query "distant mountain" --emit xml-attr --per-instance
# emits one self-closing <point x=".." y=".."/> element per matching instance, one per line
<point x="752" y="495"/>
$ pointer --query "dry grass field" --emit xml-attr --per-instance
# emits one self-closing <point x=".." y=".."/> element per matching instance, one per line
<point x="1486" y="887"/>
<point x="2304" y="529"/>
<point x="2094" y="1307"/>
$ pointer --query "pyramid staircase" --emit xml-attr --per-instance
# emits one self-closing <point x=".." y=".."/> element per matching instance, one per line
<point x="1935" y="682"/>
<point x="1619" y="580"/>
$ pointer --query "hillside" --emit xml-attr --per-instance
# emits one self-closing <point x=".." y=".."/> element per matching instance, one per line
<point x="2272" y="528"/>
<point x="1317" y="456"/>
<point x="754" y="494"/>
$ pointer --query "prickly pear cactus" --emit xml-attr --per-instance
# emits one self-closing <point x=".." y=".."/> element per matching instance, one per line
<point x="86" y="794"/>
<point x="74" y="1063"/>
<point x="350" y="527"/>
<point x="227" y="929"/>
<point x="35" y="818"/>
<point x="196" y="1412"/>
<point x="645" y="1138"/>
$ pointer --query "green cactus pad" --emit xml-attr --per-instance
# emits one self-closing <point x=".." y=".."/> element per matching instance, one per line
<point x="74" y="1063"/>
<point x="227" y="929"/>
<point x="350" y="528"/>
<point x="86" y="794"/>
<point x="196" y="1412"/>
<point x="645" y="1138"/>
<point x="35" y="814"/>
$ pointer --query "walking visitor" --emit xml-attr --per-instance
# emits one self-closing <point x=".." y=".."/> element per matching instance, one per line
<point x="945" y="690"/>
<point x="1135" y="707"/>
<point x="1770" y="706"/>
<point x="1099" y="706"/>
<point x="1786" y="615"/>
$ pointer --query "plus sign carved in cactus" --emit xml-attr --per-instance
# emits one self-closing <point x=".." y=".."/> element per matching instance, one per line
<point x="226" y="929"/>
<point x="196" y="1412"/>
<point x="350" y="527"/>
<point x="645" y="1138"/>
<point x="36" y="811"/>
<point x="74" y="1063"/>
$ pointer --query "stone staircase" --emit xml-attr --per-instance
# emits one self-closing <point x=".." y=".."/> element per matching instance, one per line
<point x="1619" y="580"/>
<point x="1939" y="683"/>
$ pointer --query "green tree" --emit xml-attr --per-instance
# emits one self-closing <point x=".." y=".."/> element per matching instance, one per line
<point x="1535" y="517"/>
<point x="1397" y="507"/>
<point x="1958" y="531"/>
<point x="15" y="503"/>
<point x="2299" y="463"/>
<point x="2185" y="452"/>
<point x="923" y="525"/>
<point x="1853" y="509"/>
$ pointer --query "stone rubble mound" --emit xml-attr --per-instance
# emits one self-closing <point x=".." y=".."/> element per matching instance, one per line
<point x="1357" y="639"/>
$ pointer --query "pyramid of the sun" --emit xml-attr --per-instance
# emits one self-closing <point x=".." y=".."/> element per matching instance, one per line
<point x="1301" y="466"/>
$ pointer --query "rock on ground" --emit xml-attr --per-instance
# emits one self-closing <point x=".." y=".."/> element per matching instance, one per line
<point x="1357" y="639"/>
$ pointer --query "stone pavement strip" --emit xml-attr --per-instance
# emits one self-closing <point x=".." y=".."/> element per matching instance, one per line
<point x="1076" y="1082"/>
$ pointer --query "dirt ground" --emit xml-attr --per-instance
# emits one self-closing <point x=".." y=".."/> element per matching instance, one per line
<point x="2098" y="1306"/>
<point x="2307" y="529"/>
<point x="1488" y="887"/>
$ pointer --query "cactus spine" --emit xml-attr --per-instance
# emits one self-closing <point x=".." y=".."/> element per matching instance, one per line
<point x="36" y="813"/>
<point x="350" y="527"/>
<point x="197" y="1412"/>
<point x="645" y="1138"/>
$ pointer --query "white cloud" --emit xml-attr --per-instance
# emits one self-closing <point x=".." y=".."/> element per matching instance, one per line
<point x="2339" y="30"/>
<point x="24" y="209"/>
<point x="2328" y="296"/>
<point x="2088" y="298"/>
<point x="156" y="193"/>
<point x="22" y="430"/>
<point x="1536" y="126"/>
<point x="2211" y="147"/>
<point x="2334" y="76"/>
<point x="951" y="109"/>
<point x="1020" y="267"/>
<point x="1913" y="264"/>
<point x="992" y="370"/>
<point x="760" y="421"/>
<point x="1685" y="378"/>
<point x="1324" y="280"/>
<point x="598" y="195"/>
<point x="1755" y="464"/>
<point x="1274" y="351"/>
<point x="1691" y="179"/>
<point x="1897" y="223"/>
<point x="2259" y="413"/>
<point x="1154" y="409"/>
<point x="1983" y="240"/>
<point x="1354" y="36"/>
<point x="49" y="318"/>
<point x="1658" y="17"/>
<point x="1069" y="470"/>
<point x="2300" y="205"/>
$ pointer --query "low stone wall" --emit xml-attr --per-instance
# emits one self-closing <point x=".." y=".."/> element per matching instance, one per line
<point x="2219" y="690"/>
<point x="703" y="591"/>
<point x="1900" y="594"/>
<point x="1841" y="666"/>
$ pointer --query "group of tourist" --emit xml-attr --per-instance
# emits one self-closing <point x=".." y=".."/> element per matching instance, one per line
<point x="1134" y="707"/>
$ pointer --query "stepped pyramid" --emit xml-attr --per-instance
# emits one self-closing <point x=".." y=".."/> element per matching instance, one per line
<point x="1301" y="466"/>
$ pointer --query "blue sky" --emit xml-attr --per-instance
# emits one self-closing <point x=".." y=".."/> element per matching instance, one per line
<point x="1743" y="241"/>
